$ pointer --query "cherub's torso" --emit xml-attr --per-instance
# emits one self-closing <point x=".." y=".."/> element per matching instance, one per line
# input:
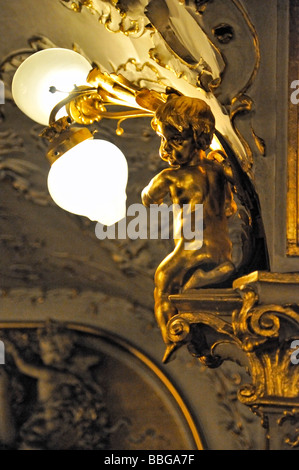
<point x="200" y="184"/>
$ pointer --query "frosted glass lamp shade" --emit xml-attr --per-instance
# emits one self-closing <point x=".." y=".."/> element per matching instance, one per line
<point x="59" y="68"/>
<point x="90" y="180"/>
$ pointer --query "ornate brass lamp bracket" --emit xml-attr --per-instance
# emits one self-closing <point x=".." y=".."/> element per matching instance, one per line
<point x="88" y="104"/>
<point x="243" y="324"/>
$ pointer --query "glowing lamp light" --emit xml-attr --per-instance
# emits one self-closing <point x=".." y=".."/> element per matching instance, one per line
<point x="215" y="144"/>
<point x="90" y="179"/>
<point x="59" y="68"/>
<point x="88" y="176"/>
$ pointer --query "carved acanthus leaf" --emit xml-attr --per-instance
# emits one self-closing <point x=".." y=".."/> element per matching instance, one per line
<point x="235" y="417"/>
<point x="19" y="171"/>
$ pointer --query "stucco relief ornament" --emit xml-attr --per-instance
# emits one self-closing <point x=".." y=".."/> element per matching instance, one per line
<point x="69" y="411"/>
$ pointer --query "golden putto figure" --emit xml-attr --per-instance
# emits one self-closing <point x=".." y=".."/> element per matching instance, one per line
<point x="186" y="127"/>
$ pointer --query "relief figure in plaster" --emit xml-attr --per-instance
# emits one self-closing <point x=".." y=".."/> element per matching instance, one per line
<point x="69" y="412"/>
<point x="186" y="127"/>
<point x="7" y="425"/>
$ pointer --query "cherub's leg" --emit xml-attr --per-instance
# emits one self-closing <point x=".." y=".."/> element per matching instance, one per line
<point x="168" y="276"/>
<point x="164" y="310"/>
<point x="202" y="278"/>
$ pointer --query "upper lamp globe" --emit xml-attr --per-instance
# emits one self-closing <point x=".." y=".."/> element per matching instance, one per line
<point x="49" y="69"/>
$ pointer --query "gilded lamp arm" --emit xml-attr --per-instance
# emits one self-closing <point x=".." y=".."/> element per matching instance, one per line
<point x="86" y="105"/>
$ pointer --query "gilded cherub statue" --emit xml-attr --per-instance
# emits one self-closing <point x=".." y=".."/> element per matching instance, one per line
<point x="186" y="127"/>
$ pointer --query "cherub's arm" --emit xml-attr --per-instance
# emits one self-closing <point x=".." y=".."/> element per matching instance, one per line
<point x="25" y="368"/>
<point x="228" y="173"/>
<point x="156" y="190"/>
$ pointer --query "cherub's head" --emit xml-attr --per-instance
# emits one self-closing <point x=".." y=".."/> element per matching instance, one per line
<point x="184" y="124"/>
<point x="55" y="343"/>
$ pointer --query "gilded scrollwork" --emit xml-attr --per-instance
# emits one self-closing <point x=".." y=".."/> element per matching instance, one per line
<point x="78" y="4"/>
<point x="202" y="332"/>
<point x="263" y="332"/>
<point x="142" y="74"/>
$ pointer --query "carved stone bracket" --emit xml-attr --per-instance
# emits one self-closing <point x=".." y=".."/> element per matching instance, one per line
<point x="256" y="324"/>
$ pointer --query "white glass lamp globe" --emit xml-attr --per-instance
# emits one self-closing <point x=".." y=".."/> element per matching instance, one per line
<point x="54" y="67"/>
<point x="90" y="180"/>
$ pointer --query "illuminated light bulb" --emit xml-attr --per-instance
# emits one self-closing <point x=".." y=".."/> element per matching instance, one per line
<point x="215" y="144"/>
<point x="90" y="179"/>
<point x="54" y="68"/>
